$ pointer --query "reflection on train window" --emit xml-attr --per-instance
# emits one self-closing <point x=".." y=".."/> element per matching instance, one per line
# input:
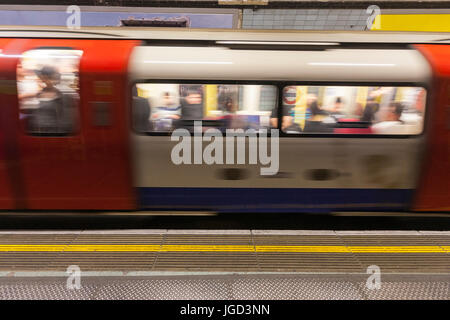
<point x="162" y="107"/>
<point x="353" y="110"/>
<point x="48" y="91"/>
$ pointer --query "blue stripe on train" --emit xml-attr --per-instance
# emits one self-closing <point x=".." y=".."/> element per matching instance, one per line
<point x="274" y="199"/>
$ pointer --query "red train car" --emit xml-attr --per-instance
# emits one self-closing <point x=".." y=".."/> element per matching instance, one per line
<point x="102" y="154"/>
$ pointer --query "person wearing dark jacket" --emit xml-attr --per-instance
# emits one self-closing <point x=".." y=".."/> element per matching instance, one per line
<point x="141" y="111"/>
<point x="56" y="112"/>
<point x="315" y="124"/>
<point x="192" y="106"/>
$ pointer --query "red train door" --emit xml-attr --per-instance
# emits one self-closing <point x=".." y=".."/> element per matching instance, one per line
<point x="8" y="144"/>
<point x="74" y="157"/>
<point x="434" y="188"/>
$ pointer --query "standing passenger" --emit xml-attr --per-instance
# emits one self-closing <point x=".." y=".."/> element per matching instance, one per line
<point x="141" y="111"/>
<point x="56" y="112"/>
<point x="192" y="106"/>
<point x="372" y="107"/>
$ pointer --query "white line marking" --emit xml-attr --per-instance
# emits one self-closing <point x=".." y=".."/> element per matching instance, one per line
<point x="212" y="232"/>
<point x="435" y="233"/>
<point x="12" y="274"/>
<point x="42" y="232"/>
<point x="295" y="232"/>
<point x="131" y="231"/>
<point x="235" y="232"/>
<point x="379" y="233"/>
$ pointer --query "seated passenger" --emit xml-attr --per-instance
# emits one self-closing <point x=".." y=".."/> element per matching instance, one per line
<point x="169" y="108"/>
<point x="231" y="119"/>
<point x="167" y="113"/>
<point x="355" y="124"/>
<point x="287" y="121"/>
<point x="413" y="121"/>
<point x="335" y="112"/>
<point x="391" y="123"/>
<point x="228" y="106"/>
<point x="414" y="118"/>
<point x="314" y="123"/>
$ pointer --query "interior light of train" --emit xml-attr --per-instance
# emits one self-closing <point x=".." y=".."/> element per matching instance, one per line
<point x="43" y="55"/>
<point x="10" y="55"/>
<point x="348" y="64"/>
<point x="54" y="54"/>
<point x="282" y="43"/>
<point x="187" y="62"/>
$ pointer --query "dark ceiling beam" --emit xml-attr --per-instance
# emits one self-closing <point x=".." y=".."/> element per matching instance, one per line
<point x="272" y="4"/>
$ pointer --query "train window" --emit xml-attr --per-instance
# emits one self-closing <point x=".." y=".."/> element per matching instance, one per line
<point x="48" y="91"/>
<point x="162" y="107"/>
<point x="353" y="110"/>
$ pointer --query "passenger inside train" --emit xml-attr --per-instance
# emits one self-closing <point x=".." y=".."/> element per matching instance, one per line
<point x="391" y="123"/>
<point x="169" y="111"/>
<point x="306" y="109"/>
<point x="219" y="106"/>
<point x="359" y="110"/>
<point x="192" y="104"/>
<point x="141" y="112"/>
<point x="317" y="121"/>
<point x="47" y="84"/>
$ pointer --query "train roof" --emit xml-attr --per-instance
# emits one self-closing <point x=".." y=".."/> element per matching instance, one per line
<point x="226" y="35"/>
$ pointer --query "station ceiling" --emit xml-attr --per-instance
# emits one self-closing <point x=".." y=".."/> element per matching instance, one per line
<point x="243" y="3"/>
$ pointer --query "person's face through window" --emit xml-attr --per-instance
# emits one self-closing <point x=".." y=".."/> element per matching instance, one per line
<point x="391" y="114"/>
<point x="194" y="98"/>
<point x="47" y="81"/>
<point x="310" y="98"/>
<point x="337" y="107"/>
<point x="168" y="100"/>
<point x="229" y="105"/>
<point x="20" y="72"/>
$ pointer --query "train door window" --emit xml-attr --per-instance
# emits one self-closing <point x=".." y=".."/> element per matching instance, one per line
<point x="48" y="91"/>
<point x="162" y="107"/>
<point x="353" y="110"/>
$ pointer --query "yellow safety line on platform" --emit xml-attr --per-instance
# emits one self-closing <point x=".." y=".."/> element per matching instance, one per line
<point x="220" y="248"/>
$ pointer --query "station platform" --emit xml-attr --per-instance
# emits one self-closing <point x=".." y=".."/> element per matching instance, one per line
<point x="225" y="264"/>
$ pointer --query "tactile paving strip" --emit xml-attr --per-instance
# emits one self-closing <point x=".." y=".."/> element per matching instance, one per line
<point x="222" y="287"/>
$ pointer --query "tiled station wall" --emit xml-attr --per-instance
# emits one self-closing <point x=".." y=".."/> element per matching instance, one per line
<point x="305" y="19"/>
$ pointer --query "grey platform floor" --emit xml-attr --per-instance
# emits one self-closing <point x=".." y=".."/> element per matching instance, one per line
<point x="238" y="286"/>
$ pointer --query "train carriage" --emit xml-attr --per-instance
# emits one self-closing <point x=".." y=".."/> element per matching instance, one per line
<point x="130" y="90"/>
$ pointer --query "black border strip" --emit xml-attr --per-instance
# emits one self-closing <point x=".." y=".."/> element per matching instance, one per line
<point x="282" y="4"/>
